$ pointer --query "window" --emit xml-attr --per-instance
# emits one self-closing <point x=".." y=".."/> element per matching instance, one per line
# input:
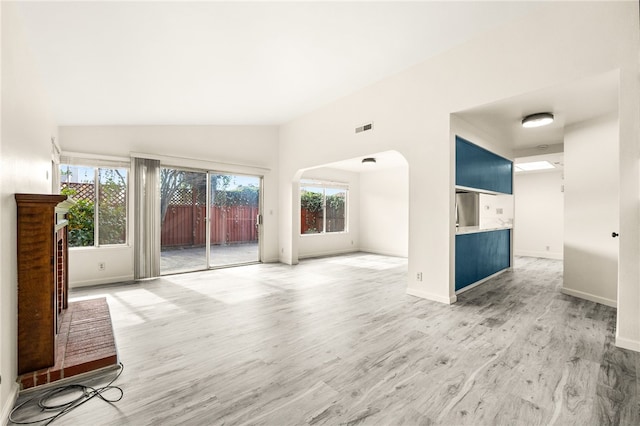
<point x="323" y="207"/>
<point x="99" y="216"/>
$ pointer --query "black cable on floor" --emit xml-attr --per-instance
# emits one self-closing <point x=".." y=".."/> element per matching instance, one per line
<point x="87" y="393"/>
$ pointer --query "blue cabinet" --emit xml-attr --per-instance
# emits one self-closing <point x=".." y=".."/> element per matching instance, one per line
<point x="481" y="254"/>
<point x="478" y="168"/>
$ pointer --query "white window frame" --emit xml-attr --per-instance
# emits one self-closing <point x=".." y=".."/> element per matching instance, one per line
<point x="324" y="185"/>
<point x="97" y="163"/>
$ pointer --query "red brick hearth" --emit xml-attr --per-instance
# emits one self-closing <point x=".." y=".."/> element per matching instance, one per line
<point x="85" y="343"/>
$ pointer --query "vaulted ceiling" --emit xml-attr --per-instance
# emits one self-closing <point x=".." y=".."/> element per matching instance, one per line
<point x="144" y="63"/>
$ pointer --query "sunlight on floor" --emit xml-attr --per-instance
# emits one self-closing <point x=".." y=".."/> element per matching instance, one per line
<point x="229" y="292"/>
<point x="370" y="262"/>
<point x="139" y="305"/>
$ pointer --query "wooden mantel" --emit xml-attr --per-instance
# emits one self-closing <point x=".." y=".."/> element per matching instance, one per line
<point x="42" y="278"/>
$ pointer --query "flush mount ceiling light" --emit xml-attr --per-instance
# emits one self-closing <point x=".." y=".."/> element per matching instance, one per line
<point x="534" y="165"/>
<point x="369" y="161"/>
<point x="537" y="120"/>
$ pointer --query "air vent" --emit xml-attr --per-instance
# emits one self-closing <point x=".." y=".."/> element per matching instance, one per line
<point x="364" y="128"/>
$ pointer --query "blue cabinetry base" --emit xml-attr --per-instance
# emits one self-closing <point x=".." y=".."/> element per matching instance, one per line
<point x="480" y="255"/>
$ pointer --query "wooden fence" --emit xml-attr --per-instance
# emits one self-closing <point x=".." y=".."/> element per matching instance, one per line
<point x="186" y="225"/>
<point x="312" y="222"/>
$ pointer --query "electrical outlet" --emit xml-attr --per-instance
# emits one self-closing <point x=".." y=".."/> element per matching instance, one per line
<point x="419" y="276"/>
<point x="101" y="266"/>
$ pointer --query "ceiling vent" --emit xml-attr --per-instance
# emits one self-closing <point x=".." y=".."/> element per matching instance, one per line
<point x="364" y="128"/>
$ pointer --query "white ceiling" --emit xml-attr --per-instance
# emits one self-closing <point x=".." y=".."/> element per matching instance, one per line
<point x="570" y="103"/>
<point x="384" y="160"/>
<point x="110" y="63"/>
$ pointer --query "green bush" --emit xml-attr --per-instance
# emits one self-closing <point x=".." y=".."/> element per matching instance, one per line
<point x="111" y="211"/>
<point x="112" y="214"/>
<point x="311" y="201"/>
<point x="81" y="224"/>
<point x="242" y="196"/>
<point x="335" y="202"/>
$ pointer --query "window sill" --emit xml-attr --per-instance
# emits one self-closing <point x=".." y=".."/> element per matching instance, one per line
<point x="107" y="247"/>
<point x="324" y="233"/>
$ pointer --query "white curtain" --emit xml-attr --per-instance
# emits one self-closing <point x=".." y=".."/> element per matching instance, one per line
<point x="147" y="218"/>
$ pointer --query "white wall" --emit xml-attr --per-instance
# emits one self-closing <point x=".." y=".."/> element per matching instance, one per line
<point x="313" y="245"/>
<point x="495" y="210"/>
<point x="384" y="211"/>
<point x="234" y="149"/>
<point x="27" y="128"/>
<point x="84" y="270"/>
<point x="627" y="324"/>
<point x="411" y="112"/>
<point x="539" y="214"/>
<point x="591" y="210"/>
<point x="484" y="138"/>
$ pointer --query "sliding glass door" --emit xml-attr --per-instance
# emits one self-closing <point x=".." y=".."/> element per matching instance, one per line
<point x="208" y="220"/>
<point x="183" y="218"/>
<point x="234" y="207"/>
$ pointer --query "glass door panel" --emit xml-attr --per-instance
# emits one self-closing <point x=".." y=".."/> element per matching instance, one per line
<point x="234" y="208"/>
<point x="183" y="201"/>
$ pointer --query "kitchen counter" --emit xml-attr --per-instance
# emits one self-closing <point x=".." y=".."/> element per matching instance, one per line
<point x="474" y="229"/>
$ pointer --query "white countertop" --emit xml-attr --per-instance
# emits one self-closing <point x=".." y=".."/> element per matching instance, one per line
<point x="474" y="229"/>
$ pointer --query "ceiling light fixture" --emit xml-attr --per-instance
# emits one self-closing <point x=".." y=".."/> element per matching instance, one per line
<point x="534" y="165"/>
<point x="537" y="120"/>
<point x="369" y="161"/>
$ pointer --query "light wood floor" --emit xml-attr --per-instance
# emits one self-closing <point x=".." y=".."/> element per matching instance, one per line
<point x="338" y="341"/>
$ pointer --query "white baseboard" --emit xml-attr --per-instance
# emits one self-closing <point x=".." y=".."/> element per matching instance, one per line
<point x="624" y="343"/>
<point x="485" y="279"/>
<point x="542" y="254"/>
<point x="327" y="253"/>
<point x="384" y="252"/>
<point x="590" y="297"/>
<point x="99" y="281"/>
<point x="9" y="404"/>
<point x="430" y="296"/>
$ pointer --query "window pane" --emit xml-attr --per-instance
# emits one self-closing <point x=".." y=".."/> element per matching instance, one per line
<point x="112" y="206"/>
<point x="311" y="211"/>
<point x="79" y="183"/>
<point x="336" y="200"/>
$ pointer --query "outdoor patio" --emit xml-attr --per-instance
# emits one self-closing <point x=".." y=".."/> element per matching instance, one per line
<point x="177" y="260"/>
